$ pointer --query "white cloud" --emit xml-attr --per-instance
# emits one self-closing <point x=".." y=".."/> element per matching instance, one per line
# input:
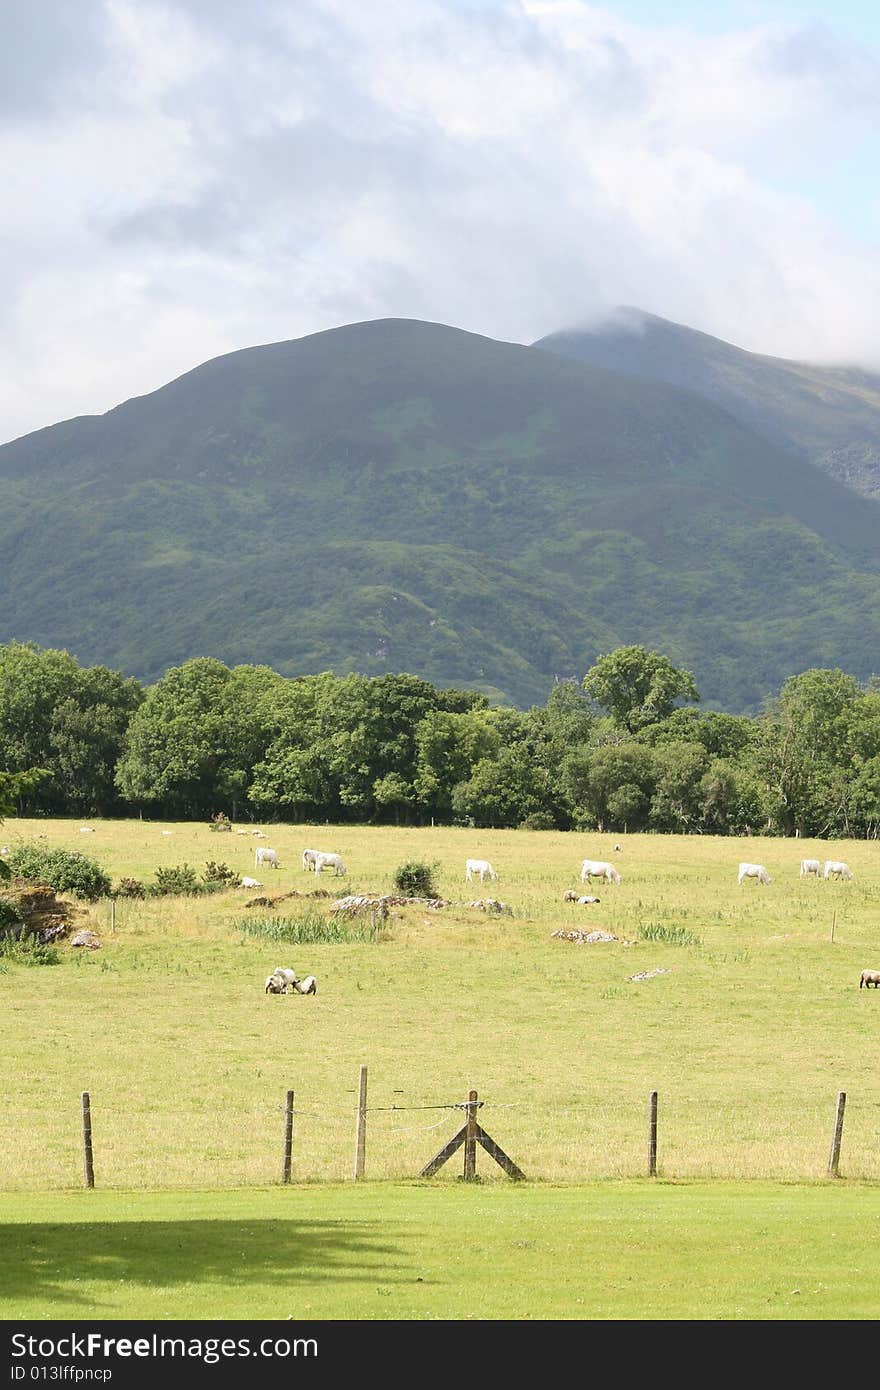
<point x="199" y="176"/>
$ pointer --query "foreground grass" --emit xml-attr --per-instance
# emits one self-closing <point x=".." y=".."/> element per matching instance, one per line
<point x="384" y="1251"/>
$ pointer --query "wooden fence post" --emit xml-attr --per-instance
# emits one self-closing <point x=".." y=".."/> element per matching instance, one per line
<point x="88" y="1162"/>
<point x="361" y="1136"/>
<point x="470" y="1139"/>
<point x="288" y="1137"/>
<point x="834" y="1158"/>
<point x="652" y="1136"/>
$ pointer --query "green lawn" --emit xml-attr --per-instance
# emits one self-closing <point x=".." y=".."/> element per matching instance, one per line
<point x="616" y="1251"/>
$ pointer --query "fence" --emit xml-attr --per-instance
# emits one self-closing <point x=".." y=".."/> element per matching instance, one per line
<point x="648" y="1140"/>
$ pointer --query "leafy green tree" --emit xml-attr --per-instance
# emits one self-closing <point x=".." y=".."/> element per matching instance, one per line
<point x="503" y="790"/>
<point x="638" y="687"/>
<point x="677" y="803"/>
<point x="733" y="799"/>
<point x="800" y="751"/>
<point x="610" y="786"/>
<point x="190" y="744"/>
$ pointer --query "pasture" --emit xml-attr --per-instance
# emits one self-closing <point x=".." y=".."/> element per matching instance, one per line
<point x="748" y="1020"/>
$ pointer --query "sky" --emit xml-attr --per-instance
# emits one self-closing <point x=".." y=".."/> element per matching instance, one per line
<point x="186" y="178"/>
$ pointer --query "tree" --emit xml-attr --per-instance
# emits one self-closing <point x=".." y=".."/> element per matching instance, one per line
<point x="638" y="687"/>
<point x="610" y="786"/>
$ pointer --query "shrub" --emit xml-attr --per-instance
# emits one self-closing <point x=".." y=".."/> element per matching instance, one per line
<point x="130" y="888"/>
<point x="538" y="820"/>
<point x="219" y="874"/>
<point x="220" y="822"/>
<point x="179" y="879"/>
<point x="27" y="950"/>
<point x="10" y="918"/>
<point x="64" y="870"/>
<point x="415" y="879"/>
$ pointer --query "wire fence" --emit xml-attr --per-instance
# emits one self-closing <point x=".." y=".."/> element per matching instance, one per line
<point x="111" y="1142"/>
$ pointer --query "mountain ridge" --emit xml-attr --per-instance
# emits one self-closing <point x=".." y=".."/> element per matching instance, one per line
<point x="401" y="495"/>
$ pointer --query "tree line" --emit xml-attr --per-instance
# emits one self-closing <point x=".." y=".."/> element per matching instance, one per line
<point x="626" y="748"/>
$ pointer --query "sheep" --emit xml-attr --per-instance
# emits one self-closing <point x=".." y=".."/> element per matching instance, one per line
<point x="570" y="896"/>
<point x="284" y="978"/>
<point x="869" y="978"/>
<point x="586" y="899"/>
<point x="835" y="868"/>
<point x="263" y="855"/>
<point x="810" y="866"/>
<point x="307" y="986"/>
<point x="756" y="871"/>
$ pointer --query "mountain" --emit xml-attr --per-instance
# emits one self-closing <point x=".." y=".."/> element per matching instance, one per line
<point x="401" y="495"/>
<point x="829" y="415"/>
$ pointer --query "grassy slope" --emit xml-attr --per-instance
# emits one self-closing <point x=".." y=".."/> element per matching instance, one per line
<point x="401" y="495"/>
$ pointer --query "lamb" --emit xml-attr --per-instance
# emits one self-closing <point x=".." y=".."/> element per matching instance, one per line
<point x="869" y="978"/>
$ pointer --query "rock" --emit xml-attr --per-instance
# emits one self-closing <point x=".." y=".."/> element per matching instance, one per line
<point x="86" y="938"/>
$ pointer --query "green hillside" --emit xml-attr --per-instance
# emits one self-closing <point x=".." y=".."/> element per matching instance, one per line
<point x="829" y="415"/>
<point x="400" y="495"/>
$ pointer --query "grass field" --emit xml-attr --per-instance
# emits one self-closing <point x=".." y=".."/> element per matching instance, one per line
<point x="630" y="1250"/>
<point x="753" y="1027"/>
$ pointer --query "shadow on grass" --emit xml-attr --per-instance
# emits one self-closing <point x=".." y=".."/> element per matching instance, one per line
<point x="43" y="1260"/>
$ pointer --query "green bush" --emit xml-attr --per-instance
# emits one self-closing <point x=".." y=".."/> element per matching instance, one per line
<point x="28" y="951"/>
<point x="64" y="870"/>
<point x="538" y="820"/>
<point x="10" y="918"/>
<point x="130" y="888"/>
<point x="415" y="879"/>
<point x="219" y="874"/>
<point x="177" y="880"/>
<point x="220" y="822"/>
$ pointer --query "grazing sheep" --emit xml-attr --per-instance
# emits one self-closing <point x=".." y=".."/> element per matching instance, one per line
<point x="570" y="896"/>
<point x="811" y="866"/>
<point x="586" y="899"/>
<point x="835" y="868"/>
<point x="86" y="830"/>
<point x="618" y="848"/>
<point x="756" y="871"/>
<point x="869" y="978"/>
<point x="307" y="986"/>
<point x="285" y="978"/>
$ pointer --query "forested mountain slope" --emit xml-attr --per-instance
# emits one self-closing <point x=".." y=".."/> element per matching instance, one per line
<point x="400" y="495"/>
<point x="829" y="415"/>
